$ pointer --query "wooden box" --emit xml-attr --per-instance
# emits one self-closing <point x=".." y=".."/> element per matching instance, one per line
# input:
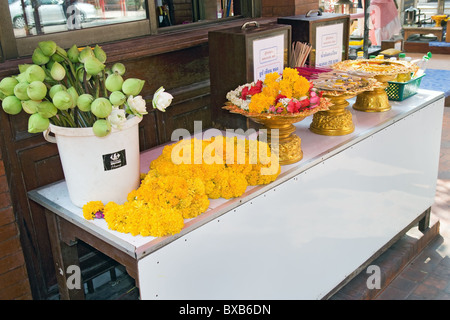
<point x="328" y="33"/>
<point x="232" y="63"/>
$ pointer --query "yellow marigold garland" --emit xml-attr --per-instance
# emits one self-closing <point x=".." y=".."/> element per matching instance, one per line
<point x="171" y="192"/>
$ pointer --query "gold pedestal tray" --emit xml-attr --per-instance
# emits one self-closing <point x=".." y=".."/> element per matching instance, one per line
<point x="336" y="121"/>
<point x="280" y="127"/>
<point x="376" y="100"/>
<point x="383" y="71"/>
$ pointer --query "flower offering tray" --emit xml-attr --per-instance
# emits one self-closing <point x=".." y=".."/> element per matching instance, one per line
<point x="280" y="127"/>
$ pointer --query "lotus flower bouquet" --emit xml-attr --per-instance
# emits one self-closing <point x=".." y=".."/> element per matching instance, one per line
<point x="74" y="88"/>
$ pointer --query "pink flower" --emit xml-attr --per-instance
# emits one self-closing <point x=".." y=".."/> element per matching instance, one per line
<point x="280" y="110"/>
<point x="272" y="109"/>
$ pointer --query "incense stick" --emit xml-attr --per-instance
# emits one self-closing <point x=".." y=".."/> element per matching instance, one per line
<point x="299" y="53"/>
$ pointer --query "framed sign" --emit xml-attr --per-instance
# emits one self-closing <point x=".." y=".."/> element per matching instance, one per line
<point x="329" y="44"/>
<point x="268" y="56"/>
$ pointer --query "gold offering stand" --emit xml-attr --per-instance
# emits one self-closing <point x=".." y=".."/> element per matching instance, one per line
<point x="383" y="71"/>
<point x="280" y="127"/>
<point x="336" y="121"/>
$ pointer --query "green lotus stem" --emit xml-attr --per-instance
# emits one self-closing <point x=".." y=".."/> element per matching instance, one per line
<point x="69" y="118"/>
<point x="76" y="84"/>
<point x="105" y="92"/>
<point x="97" y="87"/>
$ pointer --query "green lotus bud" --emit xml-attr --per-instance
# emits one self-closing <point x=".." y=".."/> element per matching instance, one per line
<point x="59" y="55"/>
<point x="58" y="72"/>
<point x="101" y="128"/>
<point x="74" y="95"/>
<point x="12" y="105"/>
<point x="86" y="52"/>
<point x="39" y="57"/>
<point x="93" y="66"/>
<point x="114" y="82"/>
<point x="37" y="123"/>
<point x="80" y="74"/>
<point x="54" y="89"/>
<point x="132" y="86"/>
<point x="7" y="85"/>
<point x="73" y="53"/>
<point x="20" y="91"/>
<point x="117" y="98"/>
<point x="101" y="107"/>
<point x="62" y="100"/>
<point x="84" y="102"/>
<point x="22" y="77"/>
<point x="23" y="67"/>
<point x="48" y="47"/>
<point x="118" y="68"/>
<point x="47" y="109"/>
<point x="100" y="54"/>
<point x="35" y="73"/>
<point x="37" y="90"/>
<point x="30" y="106"/>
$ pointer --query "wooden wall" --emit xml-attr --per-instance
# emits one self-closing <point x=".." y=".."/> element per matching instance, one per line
<point x="179" y="62"/>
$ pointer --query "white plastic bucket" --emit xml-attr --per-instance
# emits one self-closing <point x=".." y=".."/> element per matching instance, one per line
<point x="99" y="169"/>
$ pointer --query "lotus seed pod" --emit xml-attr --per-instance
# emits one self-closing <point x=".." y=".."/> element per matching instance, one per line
<point x="35" y="73"/>
<point x="84" y="102"/>
<point x="39" y="57"/>
<point x="30" y="106"/>
<point x="37" y="123"/>
<point x="7" y="85"/>
<point x="132" y="86"/>
<point x="48" y="47"/>
<point x="20" y="91"/>
<point x="57" y="71"/>
<point x="114" y="82"/>
<point x="62" y="100"/>
<point x="47" y="109"/>
<point x="117" y="98"/>
<point x="36" y="90"/>
<point x="101" y="128"/>
<point x="101" y="107"/>
<point x="12" y="105"/>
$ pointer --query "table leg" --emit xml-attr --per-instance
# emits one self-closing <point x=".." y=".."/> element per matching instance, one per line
<point x="67" y="265"/>
<point x="424" y="223"/>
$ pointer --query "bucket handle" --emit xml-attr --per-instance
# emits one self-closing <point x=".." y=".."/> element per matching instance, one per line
<point x="319" y="13"/>
<point x="48" y="137"/>
<point x="245" y="25"/>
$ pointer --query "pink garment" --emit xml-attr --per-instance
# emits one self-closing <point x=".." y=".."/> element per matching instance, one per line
<point x="384" y="19"/>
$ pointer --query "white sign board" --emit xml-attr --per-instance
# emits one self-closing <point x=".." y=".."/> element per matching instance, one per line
<point x="268" y="56"/>
<point x="329" y="44"/>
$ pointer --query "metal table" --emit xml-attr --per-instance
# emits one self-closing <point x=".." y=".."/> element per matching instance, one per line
<point x="304" y="236"/>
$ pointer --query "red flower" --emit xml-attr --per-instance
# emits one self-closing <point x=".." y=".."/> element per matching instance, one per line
<point x="280" y="96"/>
<point x="304" y="104"/>
<point x="293" y="106"/>
<point x="257" y="88"/>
